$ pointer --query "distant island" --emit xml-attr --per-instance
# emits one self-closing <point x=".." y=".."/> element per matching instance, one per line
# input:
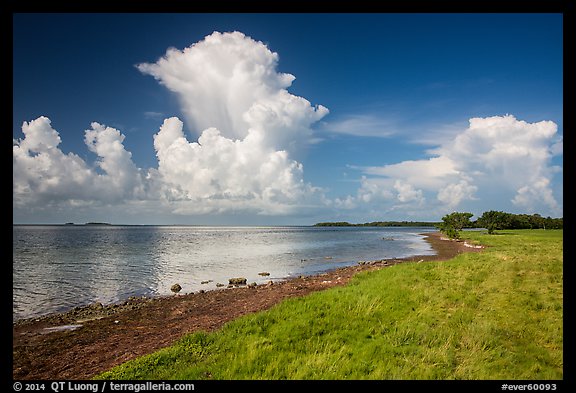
<point x="380" y="224"/>
<point x="89" y="223"/>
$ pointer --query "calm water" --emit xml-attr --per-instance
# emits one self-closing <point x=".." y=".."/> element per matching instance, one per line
<point x="56" y="268"/>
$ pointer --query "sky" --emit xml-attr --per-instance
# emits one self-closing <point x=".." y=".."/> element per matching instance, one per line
<point x="285" y="119"/>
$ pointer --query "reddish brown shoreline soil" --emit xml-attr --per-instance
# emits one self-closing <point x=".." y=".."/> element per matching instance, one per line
<point x="142" y="326"/>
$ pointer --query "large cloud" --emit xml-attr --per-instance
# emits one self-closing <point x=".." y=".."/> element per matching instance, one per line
<point x="220" y="174"/>
<point x="497" y="154"/>
<point x="229" y="82"/>
<point x="248" y="125"/>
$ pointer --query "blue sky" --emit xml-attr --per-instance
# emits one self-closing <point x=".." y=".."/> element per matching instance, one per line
<point x="272" y="119"/>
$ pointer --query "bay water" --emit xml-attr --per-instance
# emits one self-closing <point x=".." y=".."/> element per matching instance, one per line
<point x="56" y="268"/>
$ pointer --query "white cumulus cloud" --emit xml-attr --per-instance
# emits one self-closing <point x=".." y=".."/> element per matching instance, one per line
<point x="229" y="81"/>
<point x="494" y="155"/>
<point x="407" y="192"/>
<point x="220" y="174"/>
<point x="454" y="193"/>
<point x="247" y="126"/>
<point x="43" y="175"/>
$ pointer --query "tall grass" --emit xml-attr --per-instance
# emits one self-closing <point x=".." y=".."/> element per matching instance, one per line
<point x="490" y="315"/>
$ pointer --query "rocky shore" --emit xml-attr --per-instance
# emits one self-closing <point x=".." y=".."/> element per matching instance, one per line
<point x="88" y="340"/>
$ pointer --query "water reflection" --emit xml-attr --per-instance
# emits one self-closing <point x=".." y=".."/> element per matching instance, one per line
<point x="58" y="267"/>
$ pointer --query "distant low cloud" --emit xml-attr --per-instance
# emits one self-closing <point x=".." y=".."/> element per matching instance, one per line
<point x="498" y="154"/>
<point x="362" y="126"/>
<point x="154" y="115"/>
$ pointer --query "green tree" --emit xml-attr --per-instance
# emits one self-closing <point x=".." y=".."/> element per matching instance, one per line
<point x="537" y="221"/>
<point x="454" y="222"/>
<point x="493" y="220"/>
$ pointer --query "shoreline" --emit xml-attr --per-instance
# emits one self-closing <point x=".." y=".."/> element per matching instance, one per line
<point x="96" y="309"/>
<point x="84" y="299"/>
<point x="85" y="341"/>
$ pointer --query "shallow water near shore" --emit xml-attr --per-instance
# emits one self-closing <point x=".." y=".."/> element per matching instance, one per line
<point x="56" y="268"/>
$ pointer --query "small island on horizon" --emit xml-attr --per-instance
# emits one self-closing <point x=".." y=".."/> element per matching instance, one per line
<point x="89" y="223"/>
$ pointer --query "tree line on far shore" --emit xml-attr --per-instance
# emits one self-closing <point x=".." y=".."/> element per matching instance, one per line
<point x="493" y="220"/>
<point x="380" y="224"/>
<point x="454" y="222"/>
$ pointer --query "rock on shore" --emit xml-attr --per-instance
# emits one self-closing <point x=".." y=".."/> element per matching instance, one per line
<point x="237" y="281"/>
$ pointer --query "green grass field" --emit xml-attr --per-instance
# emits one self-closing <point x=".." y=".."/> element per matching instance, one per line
<point x="490" y="315"/>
